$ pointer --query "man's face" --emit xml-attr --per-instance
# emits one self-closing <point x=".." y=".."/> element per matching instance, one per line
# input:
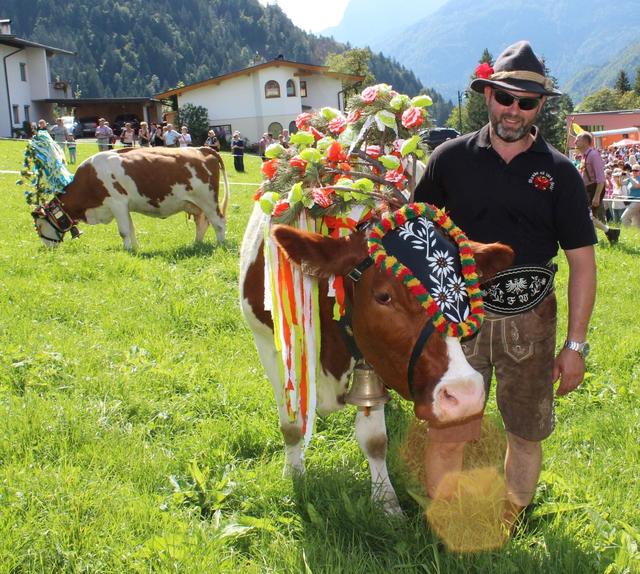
<point x="582" y="144"/>
<point x="510" y="122"/>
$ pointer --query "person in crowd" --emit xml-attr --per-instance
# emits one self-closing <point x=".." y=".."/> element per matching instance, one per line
<point x="184" y="139"/>
<point x="103" y="135"/>
<point x="170" y="136"/>
<point x="59" y="133"/>
<point x="617" y="206"/>
<point x="631" y="215"/>
<point x="608" y="192"/>
<point x="237" y="150"/>
<point x="263" y="144"/>
<point x="526" y="194"/>
<point x="592" y="170"/>
<point x="212" y="141"/>
<point x="157" y="139"/>
<point x="284" y="138"/>
<point x="71" y="146"/>
<point x="42" y="124"/>
<point x="128" y="135"/>
<point x="144" y="136"/>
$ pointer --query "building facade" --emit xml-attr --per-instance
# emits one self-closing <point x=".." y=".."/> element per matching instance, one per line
<point x="606" y="127"/>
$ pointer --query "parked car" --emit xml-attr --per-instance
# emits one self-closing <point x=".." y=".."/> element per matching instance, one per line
<point x="88" y="126"/>
<point x="435" y="136"/>
<point x="73" y="125"/>
<point x="122" y="119"/>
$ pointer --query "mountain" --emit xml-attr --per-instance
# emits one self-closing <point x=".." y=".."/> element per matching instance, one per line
<point x="587" y="38"/>
<point x="365" y="22"/>
<point x="142" y="47"/>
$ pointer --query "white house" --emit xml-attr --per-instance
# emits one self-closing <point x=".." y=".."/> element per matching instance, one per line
<point x="263" y="98"/>
<point x="25" y="81"/>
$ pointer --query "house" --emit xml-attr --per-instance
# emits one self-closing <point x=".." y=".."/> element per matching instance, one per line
<point x="25" y="81"/>
<point x="263" y="98"/>
<point x="606" y="127"/>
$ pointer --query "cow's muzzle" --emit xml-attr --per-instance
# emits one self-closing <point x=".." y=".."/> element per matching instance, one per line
<point x="53" y="213"/>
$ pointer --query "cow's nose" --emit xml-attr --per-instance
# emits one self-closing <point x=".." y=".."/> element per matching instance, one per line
<point x="459" y="398"/>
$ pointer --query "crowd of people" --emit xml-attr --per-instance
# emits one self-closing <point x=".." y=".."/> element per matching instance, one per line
<point x="617" y="169"/>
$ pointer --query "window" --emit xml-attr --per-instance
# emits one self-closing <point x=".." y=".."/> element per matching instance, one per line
<point x="275" y="129"/>
<point x="23" y="71"/>
<point x="16" y="114"/>
<point x="293" y="128"/>
<point x="272" y="89"/>
<point x="291" y="89"/>
<point x="27" y="114"/>
<point x="303" y="88"/>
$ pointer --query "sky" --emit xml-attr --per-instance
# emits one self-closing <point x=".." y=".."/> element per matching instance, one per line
<point x="311" y="16"/>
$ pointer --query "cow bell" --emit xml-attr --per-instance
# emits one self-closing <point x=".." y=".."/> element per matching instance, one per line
<point x="367" y="389"/>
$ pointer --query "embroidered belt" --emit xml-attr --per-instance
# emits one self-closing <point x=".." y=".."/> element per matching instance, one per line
<point x="518" y="289"/>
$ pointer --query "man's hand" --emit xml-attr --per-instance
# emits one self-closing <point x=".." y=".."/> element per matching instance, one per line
<point x="596" y="202"/>
<point x="569" y="368"/>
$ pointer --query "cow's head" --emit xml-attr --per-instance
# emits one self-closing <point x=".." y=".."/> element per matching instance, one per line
<point x="387" y="320"/>
<point x="52" y="223"/>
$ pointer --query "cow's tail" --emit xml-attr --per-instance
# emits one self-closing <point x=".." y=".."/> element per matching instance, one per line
<point x="225" y="199"/>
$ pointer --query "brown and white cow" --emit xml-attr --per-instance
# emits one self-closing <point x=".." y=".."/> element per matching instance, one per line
<point x="153" y="181"/>
<point x="386" y="321"/>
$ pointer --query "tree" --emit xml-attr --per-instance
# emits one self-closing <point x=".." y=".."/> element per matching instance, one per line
<point x="636" y="86"/>
<point x="196" y="119"/>
<point x="552" y="120"/>
<point x="474" y="114"/>
<point x="354" y="62"/>
<point x="622" y="84"/>
<point x="603" y="100"/>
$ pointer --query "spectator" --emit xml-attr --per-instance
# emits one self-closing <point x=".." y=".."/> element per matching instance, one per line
<point x="128" y="135"/>
<point x="284" y="138"/>
<point x="103" y="135"/>
<point x="60" y="133"/>
<point x="617" y="206"/>
<point x="71" y="146"/>
<point x="263" y="144"/>
<point x="184" y="139"/>
<point x="237" y="150"/>
<point x="157" y="139"/>
<point x="144" y="136"/>
<point x="212" y="141"/>
<point x="631" y="214"/>
<point x="42" y="124"/>
<point x="170" y="136"/>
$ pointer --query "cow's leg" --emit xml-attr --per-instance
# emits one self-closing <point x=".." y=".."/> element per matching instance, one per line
<point x="202" y="224"/>
<point x="216" y="222"/>
<point x="125" y="227"/>
<point x="371" y="432"/>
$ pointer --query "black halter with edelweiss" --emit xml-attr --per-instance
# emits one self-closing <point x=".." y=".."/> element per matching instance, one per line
<point x="422" y="247"/>
<point x="54" y="214"/>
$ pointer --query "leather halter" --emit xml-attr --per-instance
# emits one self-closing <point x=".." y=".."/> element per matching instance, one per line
<point x="53" y="213"/>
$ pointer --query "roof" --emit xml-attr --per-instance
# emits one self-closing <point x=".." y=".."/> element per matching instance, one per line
<point x="302" y="70"/>
<point x="11" y="40"/>
<point x="78" y="101"/>
<point x="614" y="112"/>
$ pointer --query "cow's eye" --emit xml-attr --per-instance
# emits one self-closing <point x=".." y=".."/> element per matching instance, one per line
<point x="383" y="298"/>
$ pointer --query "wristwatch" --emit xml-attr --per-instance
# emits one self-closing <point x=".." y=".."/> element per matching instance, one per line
<point x="581" y="348"/>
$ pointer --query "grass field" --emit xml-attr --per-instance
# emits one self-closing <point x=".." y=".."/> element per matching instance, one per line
<point x="138" y="431"/>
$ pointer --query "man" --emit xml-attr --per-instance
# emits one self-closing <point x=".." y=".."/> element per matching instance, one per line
<point x="237" y="151"/>
<point x="594" y="179"/>
<point x="170" y="136"/>
<point x="103" y="135"/>
<point x="60" y="134"/>
<point x="505" y="183"/>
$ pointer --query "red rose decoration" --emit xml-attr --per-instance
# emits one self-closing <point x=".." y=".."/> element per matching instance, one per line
<point x="258" y="194"/>
<point x="541" y="182"/>
<point x="396" y="177"/>
<point x="298" y="162"/>
<point x="334" y="152"/>
<point x="316" y="133"/>
<point x="373" y="151"/>
<point x="337" y="125"/>
<point x="321" y="196"/>
<point x="354" y="116"/>
<point x="270" y="167"/>
<point x="412" y="118"/>
<point x="302" y="121"/>
<point x="369" y="94"/>
<point x="280" y="207"/>
<point x="484" y="71"/>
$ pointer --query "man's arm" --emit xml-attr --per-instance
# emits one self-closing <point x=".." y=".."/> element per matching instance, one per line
<point x="569" y="365"/>
<point x="597" y="196"/>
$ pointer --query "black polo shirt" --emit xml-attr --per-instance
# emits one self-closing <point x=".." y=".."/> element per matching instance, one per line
<point x="532" y="204"/>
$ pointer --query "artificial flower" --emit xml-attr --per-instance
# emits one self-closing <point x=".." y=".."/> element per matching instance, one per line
<point x="338" y="124"/>
<point x="322" y="196"/>
<point x="334" y="152"/>
<point x="270" y="167"/>
<point x="303" y="119"/>
<point x="297" y="162"/>
<point x="412" y="118"/>
<point x="484" y="71"/>
<point x="354" y="116"/>
<point x="280" y="208"/>
<point x="369" y="94"/>
<point x="373" y="151"/>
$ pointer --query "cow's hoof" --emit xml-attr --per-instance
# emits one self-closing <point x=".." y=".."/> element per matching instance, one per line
<point x="389" y="504"/>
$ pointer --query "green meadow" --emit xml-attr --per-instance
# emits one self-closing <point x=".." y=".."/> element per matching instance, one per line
<point x="138" y="432"/>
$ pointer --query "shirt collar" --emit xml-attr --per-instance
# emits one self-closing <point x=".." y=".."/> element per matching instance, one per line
<point x="482" y="139"/>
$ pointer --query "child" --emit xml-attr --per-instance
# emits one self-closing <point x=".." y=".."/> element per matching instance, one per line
<point x="71" y="146"/>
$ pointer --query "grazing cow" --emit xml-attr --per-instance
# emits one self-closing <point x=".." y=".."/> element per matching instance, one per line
<point x="154" y="181"/>
<point x="386" y="322"/>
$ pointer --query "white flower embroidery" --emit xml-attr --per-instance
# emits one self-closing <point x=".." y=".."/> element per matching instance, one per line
<point x="457" y="288"/>
<point x="418" y="233"/>
<point x="441" y="263"/>
<point x="442" y="297"/>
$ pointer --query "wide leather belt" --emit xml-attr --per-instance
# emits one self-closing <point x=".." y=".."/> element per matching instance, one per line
<point x="518" y="289"/>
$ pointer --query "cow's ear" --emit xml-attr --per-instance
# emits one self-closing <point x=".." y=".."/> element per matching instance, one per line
<point x="491" y="258"/>
<point x="319" y="255"/>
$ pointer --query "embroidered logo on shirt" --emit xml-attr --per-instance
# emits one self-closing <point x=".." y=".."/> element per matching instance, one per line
<point x="542" y="181"/>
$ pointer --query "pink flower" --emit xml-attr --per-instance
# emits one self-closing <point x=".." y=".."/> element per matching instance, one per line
<point x="303" y="119"/>
<point x="280" y="207"/>
<point x="396" y="177"/>
<point x="373" y="151"/>
<point x="369" y="94"/>
<point x="397" y="146"/>
<point x="321" y="196"/>
<point x="317" y="134"/>
<point x="484" y="71"/>
<point x="337" y="125"/>
<point x="412" y="118"/>
<point x="354" y="116"/>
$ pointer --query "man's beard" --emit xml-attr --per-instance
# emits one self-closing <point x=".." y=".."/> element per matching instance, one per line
<point x="510" y="134"/>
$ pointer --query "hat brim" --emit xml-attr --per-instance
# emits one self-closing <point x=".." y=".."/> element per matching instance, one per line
<point x="479" y="84"/>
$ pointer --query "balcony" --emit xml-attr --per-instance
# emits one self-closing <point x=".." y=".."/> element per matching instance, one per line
<point x="60" y="89"/>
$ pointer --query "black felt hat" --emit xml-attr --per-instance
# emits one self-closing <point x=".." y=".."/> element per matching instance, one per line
<point x="516" y="69"/>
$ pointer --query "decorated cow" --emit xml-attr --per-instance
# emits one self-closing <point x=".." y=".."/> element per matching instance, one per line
<point x="339" y="271"/>
<point x="112" y="184"/>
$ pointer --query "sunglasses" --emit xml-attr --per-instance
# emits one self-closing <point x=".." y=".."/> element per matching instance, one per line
<point x="524" y="102"/>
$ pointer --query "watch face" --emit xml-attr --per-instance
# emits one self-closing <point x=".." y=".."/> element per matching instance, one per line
<point x="585" y="349"/>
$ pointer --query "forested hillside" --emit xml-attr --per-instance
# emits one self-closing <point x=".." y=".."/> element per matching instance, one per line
<point x="141" y="47"/>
